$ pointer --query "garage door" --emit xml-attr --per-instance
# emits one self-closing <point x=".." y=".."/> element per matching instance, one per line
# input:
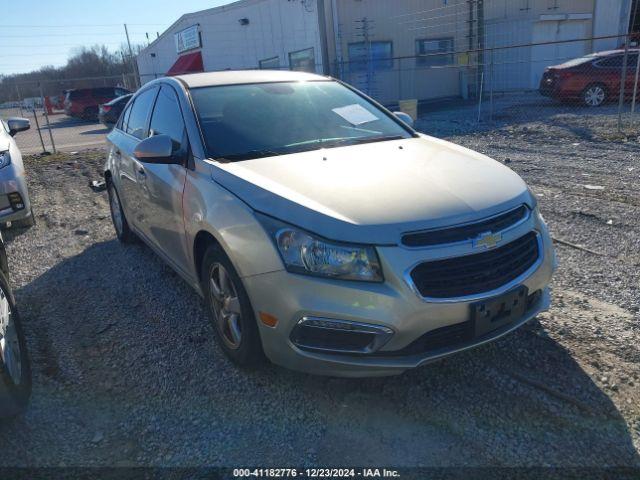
<point x="543" y="56"/>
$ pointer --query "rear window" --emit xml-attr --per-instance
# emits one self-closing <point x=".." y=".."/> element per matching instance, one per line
<point x="76" y="94"/>
<point x="104" y="92"/>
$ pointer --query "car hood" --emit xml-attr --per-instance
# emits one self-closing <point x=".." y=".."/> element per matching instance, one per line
<point x="374" y="192"/>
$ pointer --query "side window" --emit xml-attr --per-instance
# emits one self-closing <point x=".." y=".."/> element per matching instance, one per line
<point x="137" y="121"/>
<point x="611" y="62"/>
<point x="167" y="117"/>
<point x="270" y="64"/>
<point x="122" y="121"/>
<point x="426" y="50"/>
<point x="302" y="60"/>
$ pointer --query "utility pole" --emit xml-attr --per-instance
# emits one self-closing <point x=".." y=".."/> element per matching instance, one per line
<point x="480" y="42"/>
<point x="46" y="116"/>
<point x="133" y="64"/>
<point x="635" y="82"/>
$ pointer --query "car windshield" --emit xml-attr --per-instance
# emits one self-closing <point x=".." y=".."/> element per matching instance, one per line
<point x="241" y="122"/>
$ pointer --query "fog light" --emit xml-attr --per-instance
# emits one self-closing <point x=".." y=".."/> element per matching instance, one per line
<point x="340" y="336"/>
<point x="16" y="201"/>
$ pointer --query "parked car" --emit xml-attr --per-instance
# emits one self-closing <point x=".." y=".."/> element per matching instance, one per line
<point x="15" y="370"/>
<point x="83" y="102"/>
<point x="593" y="79"/>
<point x="321" y="229"/>
<point x="110" y="111"/>
<point x="15" y="205"/>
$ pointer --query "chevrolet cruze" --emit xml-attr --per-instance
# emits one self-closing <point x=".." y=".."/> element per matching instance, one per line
<point x="322" y="231"/>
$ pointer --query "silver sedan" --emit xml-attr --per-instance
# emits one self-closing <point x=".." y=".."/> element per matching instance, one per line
<point x="15" y="206"/>
<point x="322" y="230"/>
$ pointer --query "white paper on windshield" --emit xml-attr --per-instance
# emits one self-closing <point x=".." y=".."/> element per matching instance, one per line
<point x="355" y="114"/>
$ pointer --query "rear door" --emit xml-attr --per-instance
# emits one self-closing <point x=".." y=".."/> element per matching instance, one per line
<point x="162" y="186"/>
<point x="130" y="172"/>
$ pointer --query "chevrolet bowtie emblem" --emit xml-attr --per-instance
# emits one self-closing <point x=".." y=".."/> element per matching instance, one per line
<point x="487" y="240"/>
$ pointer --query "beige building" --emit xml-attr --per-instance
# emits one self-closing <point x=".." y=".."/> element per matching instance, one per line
<point x="393" y="49"/>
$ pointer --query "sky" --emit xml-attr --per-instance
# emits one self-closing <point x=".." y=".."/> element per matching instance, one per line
<point x="36" y="33"/>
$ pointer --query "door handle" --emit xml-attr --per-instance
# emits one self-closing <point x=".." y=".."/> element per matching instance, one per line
<point x="141" y="172"/>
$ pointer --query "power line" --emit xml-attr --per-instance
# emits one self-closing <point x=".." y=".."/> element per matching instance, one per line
<point x="88" y="25"/>
<point x="83" y="34"/>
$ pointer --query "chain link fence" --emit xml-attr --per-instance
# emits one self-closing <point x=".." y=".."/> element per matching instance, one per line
<point x="63" y="112"/>
<point x="447" y="91"/>
<point x="486" y="88"/>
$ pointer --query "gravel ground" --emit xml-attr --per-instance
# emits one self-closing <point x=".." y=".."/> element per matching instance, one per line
<point x="126" y="371"/>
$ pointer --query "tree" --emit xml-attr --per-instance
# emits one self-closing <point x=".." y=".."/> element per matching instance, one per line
<point x="95" y="66"/>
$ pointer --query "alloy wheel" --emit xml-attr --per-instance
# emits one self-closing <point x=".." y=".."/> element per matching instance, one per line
<point x="226" y="306"/>
<point x="594" y="96"/>
<point x="9" y="344"/>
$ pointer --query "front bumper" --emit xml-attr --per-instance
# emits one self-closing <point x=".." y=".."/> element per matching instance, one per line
<point x="11" y="181"/>
<point x="393" y="304"/>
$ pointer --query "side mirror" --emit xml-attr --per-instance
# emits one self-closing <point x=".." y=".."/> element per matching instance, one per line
<point x="17" y="124"/>
<point x="156" y="149"/>
<point x="405" y="117"/>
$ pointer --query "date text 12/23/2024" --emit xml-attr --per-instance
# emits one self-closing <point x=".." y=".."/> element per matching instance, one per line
<point x="315" y="473"/>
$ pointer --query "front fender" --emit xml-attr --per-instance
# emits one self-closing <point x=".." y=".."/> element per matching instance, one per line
<point x="211" y="208"/>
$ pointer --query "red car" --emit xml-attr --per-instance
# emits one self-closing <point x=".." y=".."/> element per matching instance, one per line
<point x="593" y="79"/>
<point x="84" y="102"/>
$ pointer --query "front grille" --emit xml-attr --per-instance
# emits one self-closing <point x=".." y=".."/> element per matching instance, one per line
<point x="469" y="231"/>
<point x="441" y="338"/>
<point x="477" y="273"/>
<point x="449" y="337"/>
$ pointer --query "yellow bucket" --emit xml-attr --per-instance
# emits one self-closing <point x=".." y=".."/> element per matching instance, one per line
<point x="410" y="107"/>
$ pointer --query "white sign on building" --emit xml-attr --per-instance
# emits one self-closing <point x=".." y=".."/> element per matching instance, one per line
<point x="188" y="39"/>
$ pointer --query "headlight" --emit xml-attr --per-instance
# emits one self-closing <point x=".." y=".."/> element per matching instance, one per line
<point x="305" y="253"/>
<point x="5" y="159"/>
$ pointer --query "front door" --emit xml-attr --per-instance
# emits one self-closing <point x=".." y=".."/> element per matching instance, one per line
<point x="161" y="186"/>
<point x="132" y="130"/>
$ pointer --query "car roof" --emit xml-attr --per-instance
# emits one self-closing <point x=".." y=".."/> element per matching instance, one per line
<point x="606" y="53"/>
<point x="239" y="77"/>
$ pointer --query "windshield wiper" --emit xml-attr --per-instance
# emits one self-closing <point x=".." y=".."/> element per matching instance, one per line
<point x="383" y="138"/>
<point x="308" y="145"/>
<point x="250" y="155"/>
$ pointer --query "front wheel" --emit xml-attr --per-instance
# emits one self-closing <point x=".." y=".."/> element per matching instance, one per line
<point x="90" y="114"/>
<point x="15" y="368"/>
<point x="230" y="310"/>
<point x="594" y="95"/>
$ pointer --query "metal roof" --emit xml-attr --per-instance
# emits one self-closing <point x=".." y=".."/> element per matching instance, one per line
<point x="238" y="77"/>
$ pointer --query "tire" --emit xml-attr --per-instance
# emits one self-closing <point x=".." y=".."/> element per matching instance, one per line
<point x="28" y="222"/>
<point x="15" y="368"/>
<point x="230" y="310"/>
<point x="120" y="224"/>
<point x="90" y="113"/>
<point x="595" y="95"/>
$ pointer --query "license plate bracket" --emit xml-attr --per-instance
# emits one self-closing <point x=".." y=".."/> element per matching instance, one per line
<point x="493" y="313"/>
